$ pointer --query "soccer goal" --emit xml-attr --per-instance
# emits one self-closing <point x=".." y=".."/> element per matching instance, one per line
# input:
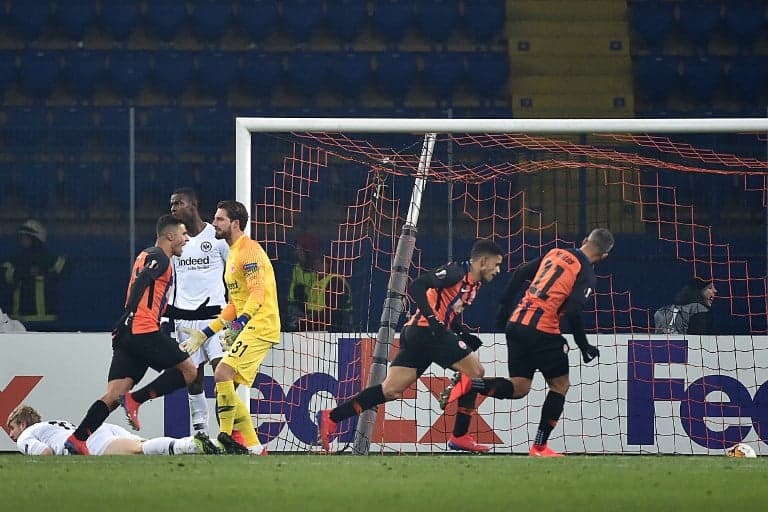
<point x="368" y="204"/>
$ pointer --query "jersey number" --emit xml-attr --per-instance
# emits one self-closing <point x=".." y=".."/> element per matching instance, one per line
<point x="541" y="292"/>
<point x="237" y="348"/>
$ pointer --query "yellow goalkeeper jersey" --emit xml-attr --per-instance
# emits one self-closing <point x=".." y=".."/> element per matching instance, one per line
<point x="250" y="280"/>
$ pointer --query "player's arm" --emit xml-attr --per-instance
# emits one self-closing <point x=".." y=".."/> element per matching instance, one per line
<point x="32" y="446"/>
<point x="462" y="331"/>
<point x="441" y="277"/>
<point x="155" y="264"/>
<point x="519" y="277"/>
<point x="572" y="310"/>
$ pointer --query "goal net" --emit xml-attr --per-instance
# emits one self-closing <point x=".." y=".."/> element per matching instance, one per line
<point x="351" y="210"/>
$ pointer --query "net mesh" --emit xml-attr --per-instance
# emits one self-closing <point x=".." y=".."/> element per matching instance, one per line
<point x="679" y="206"/>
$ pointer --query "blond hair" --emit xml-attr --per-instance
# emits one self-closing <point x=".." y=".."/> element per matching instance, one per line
<point x="23" y="414"/>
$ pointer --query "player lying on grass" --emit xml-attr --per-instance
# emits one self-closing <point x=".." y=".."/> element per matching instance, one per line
<point x="36" y="437"/>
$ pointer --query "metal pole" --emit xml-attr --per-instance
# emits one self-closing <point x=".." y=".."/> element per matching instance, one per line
<point x="393" y="304"/>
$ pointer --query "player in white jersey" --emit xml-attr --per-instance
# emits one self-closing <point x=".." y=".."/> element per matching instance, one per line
<point x="200" y="294"/>
<point x="36" y="437"/>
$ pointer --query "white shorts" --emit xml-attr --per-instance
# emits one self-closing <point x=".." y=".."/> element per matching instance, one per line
<point x="210" y="350"/>
<point x="98" y="441"/>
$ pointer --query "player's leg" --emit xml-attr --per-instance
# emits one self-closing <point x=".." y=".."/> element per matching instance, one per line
<point x="199" y="444"/>
<point x="552" y="360"/>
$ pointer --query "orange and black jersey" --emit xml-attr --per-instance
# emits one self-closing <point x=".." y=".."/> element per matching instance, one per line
<point x="437" y="291"/>
<point x="148" y="290"/>
<point x="561" y="282"/>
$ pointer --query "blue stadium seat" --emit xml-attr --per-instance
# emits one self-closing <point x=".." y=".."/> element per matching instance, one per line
<point x="443" y="71"/>
<point x="83" y="183"/>
<point x="347" y="18"/>
<point x="8" y="73"/>
<point x="213" y="129"/>
<point x="26" y="127"/>
<point x="350" y="74"/>
<point x="438" y="19"/>
<point x="261" y="73"/>
<point x="699" y="20"/>
<point x="484" y="19"/>
<point x="393" y="19"/>
<point x="173" y="72"/>
<point x="84" y="71"/>
<point x="257" y="18"/>
<point x="39" y="73"/>
<point x="488" y="72"/>
<point x="165" y="18"/>
<point x="217" y="74"/>
<point x="37" y="186"/>
<point x="652" y="21"/>
<point x="73" y="128"/>
<point x="307" y="73"/>
<point x="164" y="129"/>
<point x="29" y="19"/>
<point x="656" y="77"/>
<point x="747" y="78"/>
<point x="120" y="17"/>
<point x="395" y="74"/>
<point x="75" y="17"/>
<point x="128" y="71"/>
<point x="702" y="77"/>
<point x="114" y="126"/>
<point x="301" y="18"/>
<point x="745" y="20"/>
<point x="211" y="18"/>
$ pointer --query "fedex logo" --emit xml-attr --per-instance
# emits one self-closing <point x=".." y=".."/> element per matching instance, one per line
<point x="644" y="388"/>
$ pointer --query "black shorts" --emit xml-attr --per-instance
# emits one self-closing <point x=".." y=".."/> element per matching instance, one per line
<point x="132" y="355"/>
<point x="419" y="349"/>
<point x="529" y="350"/>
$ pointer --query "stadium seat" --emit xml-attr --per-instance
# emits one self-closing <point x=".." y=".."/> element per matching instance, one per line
<point x="350" y="74"/>
<point x="164" y="129"/>
<point x="217" y="74"/>
<point x="75" y="17"/>
<point x="393" y="19"/>
<point x="29" y="19"/>
<point x="702" y="78"/>
<point x="39" y="73"/>
<point x="114" y="126"/>
<point x="656" y="77"/>
<point x="213" y="130"/>
<point x="307" y="73"/>
<point x="395" y="74"/>
<point x="120" y="17"/>
<point x="173" y="72"/>
<point x="74" y="175"/>
<point x="437" y="19"/>
<point x="652" y="21"/>
<point x="301" y="18"/>
<point x="72" y="128"/>
<point x="488" y="72"/>
<point x="26" y="127"/>
<point x="699" y="20"/>
<point x="37" y="186"/>
<point x="747" y="78"/>
<point x="128" y="71"/>
<point x="347" y="18"/>
<point x="165" y="18"/>
<point x="443" y="71"/>
<point x="484" y="19"/>
<point x="261" y="73"/>
<point x="745" y="20"/>
<point x="83" y="71"/>
<point x="257" y="18"/>
<point x="211" y="18"/>
<point x="8" y="73"/>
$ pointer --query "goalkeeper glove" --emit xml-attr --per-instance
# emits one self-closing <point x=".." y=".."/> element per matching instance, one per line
<point x="195" y="339"/>
<point x="123" y="326"/>
<point x="235" y="328"/>
<point x="589" y="352"/>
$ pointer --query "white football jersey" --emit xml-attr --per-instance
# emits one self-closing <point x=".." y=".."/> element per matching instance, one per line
<point x="200" y="271"/>
<point x="46" y="434"/>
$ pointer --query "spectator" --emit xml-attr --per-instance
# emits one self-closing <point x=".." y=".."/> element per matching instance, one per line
<point x="32" y="275"/>
<point x="303" y="279"/>
<point x="690" y="312"/>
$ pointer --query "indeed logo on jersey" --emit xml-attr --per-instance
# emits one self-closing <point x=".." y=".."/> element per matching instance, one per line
<point x="699" y="408"/>
<point x="205" y="261"/>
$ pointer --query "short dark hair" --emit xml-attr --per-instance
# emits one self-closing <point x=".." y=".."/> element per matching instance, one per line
<point x="601" y="239"/>
<point x="166" y="221"/>
<point x="187" y="191"/>
<point x="485" y="248"/>
<point x="235" y="211"/>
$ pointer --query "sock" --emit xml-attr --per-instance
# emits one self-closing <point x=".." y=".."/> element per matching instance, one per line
<point x="550" y="413"/>
<point x="464" y="413"/>
<point x="496" y="387"/>
<point x="97" y="413"/>
<point x="226" y="402"/>
<point x="244" y="424"/>
<point x="170" y="380"/>
<point x="366" y="399"/>
<point x="198" y="407"/>
<point x="169" y="446"/>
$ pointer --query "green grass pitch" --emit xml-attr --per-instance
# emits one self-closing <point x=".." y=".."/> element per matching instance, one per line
<point x="400" y="483"/>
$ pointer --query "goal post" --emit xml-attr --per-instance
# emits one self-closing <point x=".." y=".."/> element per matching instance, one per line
<point x="517" y="181"/>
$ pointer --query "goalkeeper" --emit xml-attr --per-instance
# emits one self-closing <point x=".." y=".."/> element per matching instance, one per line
<point x="252" y="320"/>
<point x="433" y="334"/>
<point x="561" y="282"/>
